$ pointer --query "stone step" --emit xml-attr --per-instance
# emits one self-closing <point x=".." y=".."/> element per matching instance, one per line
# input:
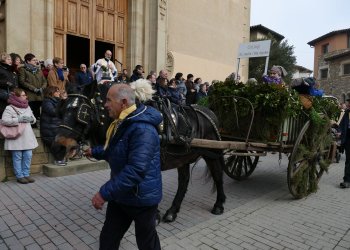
<point x="74" y="167"/>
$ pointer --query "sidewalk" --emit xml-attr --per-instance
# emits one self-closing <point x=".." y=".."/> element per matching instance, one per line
<point x="55" y="213"/>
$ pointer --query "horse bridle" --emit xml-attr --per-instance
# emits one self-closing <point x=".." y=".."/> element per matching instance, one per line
<point x="91" y="105"/>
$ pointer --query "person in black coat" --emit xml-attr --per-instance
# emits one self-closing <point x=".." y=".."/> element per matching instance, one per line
<point x="175" y="95"/>
<point x="84" y="76"/>
<point x="191" y="90"/>
<point x="49" y="122"/>
<point x="137" y="73"/>
<point x="202" y="92"/>
<point x="8" y="80"/>
<point x="344" y="128"/>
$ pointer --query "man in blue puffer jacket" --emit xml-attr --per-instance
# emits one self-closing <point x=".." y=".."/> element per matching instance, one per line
<point x="132" y="150"/>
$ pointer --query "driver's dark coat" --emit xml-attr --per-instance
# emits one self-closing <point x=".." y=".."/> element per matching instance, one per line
<point x="344" y="127"/>
<point x="134" y="158"/>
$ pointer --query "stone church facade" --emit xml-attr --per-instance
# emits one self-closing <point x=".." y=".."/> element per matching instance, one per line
<point x="198" y="36"/>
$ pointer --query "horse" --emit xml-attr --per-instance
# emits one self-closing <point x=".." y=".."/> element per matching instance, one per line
<point x="84" y="117"/>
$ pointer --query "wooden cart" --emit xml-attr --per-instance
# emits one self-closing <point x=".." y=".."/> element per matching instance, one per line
<point x="307" y="159"/>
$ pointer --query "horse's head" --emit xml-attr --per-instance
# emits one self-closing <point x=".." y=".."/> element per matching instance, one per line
<point x="78" y="116"/>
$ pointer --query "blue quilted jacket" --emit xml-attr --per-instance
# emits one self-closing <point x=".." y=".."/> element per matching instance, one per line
<point x="134" y="158"/>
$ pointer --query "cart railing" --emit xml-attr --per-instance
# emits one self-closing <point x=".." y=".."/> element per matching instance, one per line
<point x="246" y="124"/>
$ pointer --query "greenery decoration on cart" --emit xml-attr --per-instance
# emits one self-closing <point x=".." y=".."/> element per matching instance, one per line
<point x="272" y="104"/>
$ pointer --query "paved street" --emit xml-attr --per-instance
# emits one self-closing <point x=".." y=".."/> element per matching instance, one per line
<point x="55" y="213"/>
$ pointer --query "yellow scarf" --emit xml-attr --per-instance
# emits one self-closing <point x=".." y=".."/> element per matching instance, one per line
<point x="114" y="125"/>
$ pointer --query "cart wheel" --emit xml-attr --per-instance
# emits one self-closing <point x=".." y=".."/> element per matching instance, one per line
<point x="305" y="171"/>
<point x="240" y="167"/>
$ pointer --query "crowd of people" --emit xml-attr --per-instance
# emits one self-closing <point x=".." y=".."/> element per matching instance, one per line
<point x="46" y="82"/>
<point x="31" y="91"/>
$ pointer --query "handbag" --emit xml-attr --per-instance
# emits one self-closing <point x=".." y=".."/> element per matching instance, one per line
<point x="12" y="132"/>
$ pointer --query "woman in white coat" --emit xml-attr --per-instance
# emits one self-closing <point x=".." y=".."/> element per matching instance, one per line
<point x="18" y="111"/>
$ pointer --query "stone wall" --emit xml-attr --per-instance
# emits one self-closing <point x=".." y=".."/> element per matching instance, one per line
<point x="337" y="84"/>
<point x="41" y="156"/>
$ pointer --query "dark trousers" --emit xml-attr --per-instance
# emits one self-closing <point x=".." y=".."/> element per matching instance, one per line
<point x="118" y="221"/>
<point x="35" y="107"/>
<point x="346" y="177"/>
<point x="58" y="151"/>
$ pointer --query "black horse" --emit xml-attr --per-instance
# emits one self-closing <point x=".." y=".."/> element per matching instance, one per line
<point x="84" y="117"/>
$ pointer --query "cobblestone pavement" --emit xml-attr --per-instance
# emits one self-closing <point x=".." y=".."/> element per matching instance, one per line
<point x="55" y="213"/>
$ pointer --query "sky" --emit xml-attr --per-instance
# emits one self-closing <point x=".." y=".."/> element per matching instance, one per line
<point x="301" y="21"/>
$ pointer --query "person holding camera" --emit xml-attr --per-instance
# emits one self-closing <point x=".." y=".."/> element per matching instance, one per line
<point x="32" y="80"/>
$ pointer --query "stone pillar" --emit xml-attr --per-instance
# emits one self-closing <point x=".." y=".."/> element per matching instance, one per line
<point x="135" y="33"/>
<point x="34" y="18"/>
<point x="162" y="35"/>
<point x="147" y="34"/>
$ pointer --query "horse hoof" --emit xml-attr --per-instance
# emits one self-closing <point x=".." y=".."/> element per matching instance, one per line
<point x="169" y="217"/>
<point x="217" y="210"/>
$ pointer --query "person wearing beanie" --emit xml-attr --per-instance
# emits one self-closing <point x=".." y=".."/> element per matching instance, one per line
<point x="276" y="74"/>
<point x="48" y="66"/>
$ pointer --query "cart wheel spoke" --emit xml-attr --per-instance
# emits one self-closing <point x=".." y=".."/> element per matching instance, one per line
<point x="240" y="167"/>
<point x="245" y="165"/>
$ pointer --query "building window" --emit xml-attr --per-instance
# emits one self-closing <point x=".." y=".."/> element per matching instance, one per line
<point x="324" y="73"/>
<point x="346" y="69"/>
<point x="325" y="48"/>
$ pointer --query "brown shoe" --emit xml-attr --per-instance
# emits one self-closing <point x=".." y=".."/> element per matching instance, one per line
<point x="22" y="180"/>
<point x="30" y="179"/>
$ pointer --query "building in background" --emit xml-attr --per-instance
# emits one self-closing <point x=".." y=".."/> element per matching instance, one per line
<point x="258" y="32"/>
<point x="198" y="36"/>
<point x="332" y="62"/>
<point x="301" y="71"/>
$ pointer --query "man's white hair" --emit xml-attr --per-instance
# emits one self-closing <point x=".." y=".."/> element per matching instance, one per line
<point x="143" y="89"/>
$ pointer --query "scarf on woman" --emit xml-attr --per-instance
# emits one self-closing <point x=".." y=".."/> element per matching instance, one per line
<point x="17" y="101"/>
<point x="31" y="68"/>
<point x="60" y="74"/>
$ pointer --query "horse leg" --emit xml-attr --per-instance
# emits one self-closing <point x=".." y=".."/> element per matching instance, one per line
<point x="183" y="180"/>
<point x="216" y="169"/>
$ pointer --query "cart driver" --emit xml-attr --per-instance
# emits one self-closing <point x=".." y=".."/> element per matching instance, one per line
<point x="344" y="128"/>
